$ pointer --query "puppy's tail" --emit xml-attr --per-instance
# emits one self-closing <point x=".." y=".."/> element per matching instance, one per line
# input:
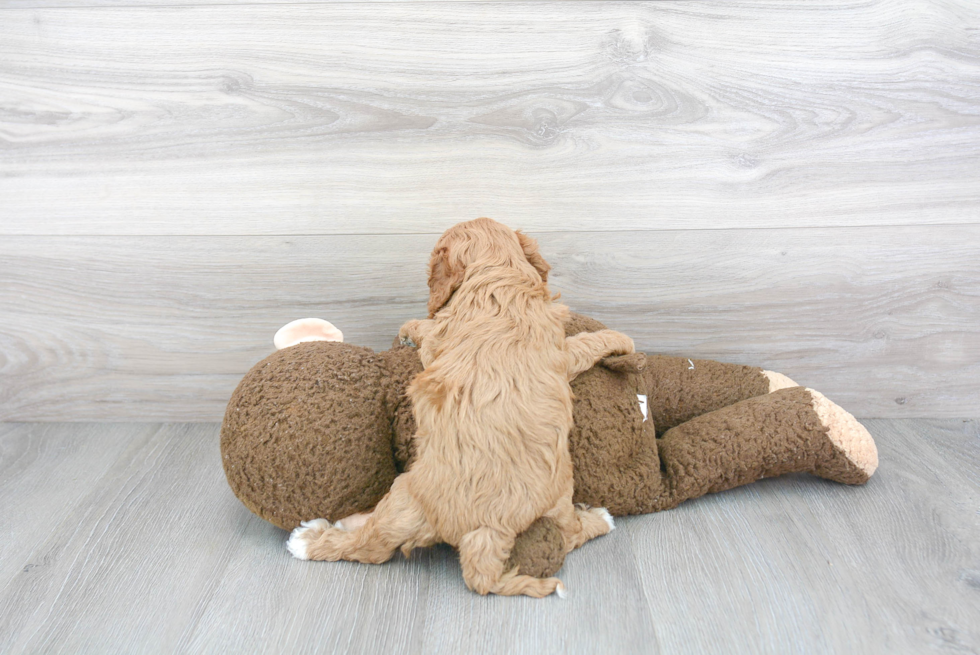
<point x="514" y="584"/>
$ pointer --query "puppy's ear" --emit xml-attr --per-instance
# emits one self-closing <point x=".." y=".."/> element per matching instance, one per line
<point x="530" y="248"/>
<point x="445" y="276"/>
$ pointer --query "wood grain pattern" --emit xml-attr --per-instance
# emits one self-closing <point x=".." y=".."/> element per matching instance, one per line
<point x="345" y="118"/>
<point x="154" y="554"/>
<point x="31" y="456"/>
<point x="883" y="320"/>
<point x="147" y="530"/>
<point x="815" y="578"/>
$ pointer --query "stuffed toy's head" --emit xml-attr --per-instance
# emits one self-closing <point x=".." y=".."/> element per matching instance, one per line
<point x="309" y="431"/>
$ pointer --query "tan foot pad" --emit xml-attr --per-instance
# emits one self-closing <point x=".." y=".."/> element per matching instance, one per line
<point x="850" y="439"/>
<point x="778" y="381"/>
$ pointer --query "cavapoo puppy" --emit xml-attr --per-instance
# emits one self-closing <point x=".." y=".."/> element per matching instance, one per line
<point x="493" y="408"/>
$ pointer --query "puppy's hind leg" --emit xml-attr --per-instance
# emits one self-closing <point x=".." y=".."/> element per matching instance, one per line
<point x="579" y="523"/>
<point x="482" y="554"/>
<point x="397" y="522"/>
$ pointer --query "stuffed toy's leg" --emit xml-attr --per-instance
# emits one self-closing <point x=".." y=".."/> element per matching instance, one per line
<point x="795" y="430"/>
<point x="680" y="389"/>
<point x="791" y="430"/>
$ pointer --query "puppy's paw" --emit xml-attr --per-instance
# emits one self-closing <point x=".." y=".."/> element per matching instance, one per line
<point x="307" y="533"/>
<point x="408" y="334"/>
<point x="604" y="514"/>
<point x="596" y="521"/>
<point x="625" y="346"/>
<point x="617" y="343"/>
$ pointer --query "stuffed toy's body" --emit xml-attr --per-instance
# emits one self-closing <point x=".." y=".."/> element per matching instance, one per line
<point x="321" y="429"/>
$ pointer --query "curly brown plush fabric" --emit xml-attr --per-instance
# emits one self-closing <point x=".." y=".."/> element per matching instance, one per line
<point x="539" y="550"/>
<point x="757" y="438"/>
<point x="300" y="417"/>
<point x="578" y="323"/>
<point x="614" y="451"/>
<point x="307" y="433"/>
<point x="403" y="365"/>
<point x="680" y="389"/>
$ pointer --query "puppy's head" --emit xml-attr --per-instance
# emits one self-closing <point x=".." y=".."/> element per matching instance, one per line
<point x="483" y="242"/>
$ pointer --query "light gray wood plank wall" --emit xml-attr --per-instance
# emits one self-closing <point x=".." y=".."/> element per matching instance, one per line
<point x="177" y="182"/>
<point x="354" y="118"/>
<point x="882" y="320"/>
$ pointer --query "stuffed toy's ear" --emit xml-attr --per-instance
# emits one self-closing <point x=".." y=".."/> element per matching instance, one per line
<point x="306" y="329"/>
<point x="445" y="276"/>
<point x="530" y="248"/>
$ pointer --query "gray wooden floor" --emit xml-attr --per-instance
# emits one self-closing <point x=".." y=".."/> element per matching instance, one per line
<point x="126" y="538"/>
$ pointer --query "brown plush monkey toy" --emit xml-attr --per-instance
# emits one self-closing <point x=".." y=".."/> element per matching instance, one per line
<point x="320" y="429"/>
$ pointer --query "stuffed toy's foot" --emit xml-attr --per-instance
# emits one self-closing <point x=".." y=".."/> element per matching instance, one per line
<point x="855" y="456"/>
<point x="778" y="381"/>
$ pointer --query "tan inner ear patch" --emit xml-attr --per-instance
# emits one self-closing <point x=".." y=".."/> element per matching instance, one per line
<point x="306" y="329"/>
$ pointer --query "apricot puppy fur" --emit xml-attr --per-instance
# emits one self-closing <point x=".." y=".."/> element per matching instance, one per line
<point x="493" y="408"/>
